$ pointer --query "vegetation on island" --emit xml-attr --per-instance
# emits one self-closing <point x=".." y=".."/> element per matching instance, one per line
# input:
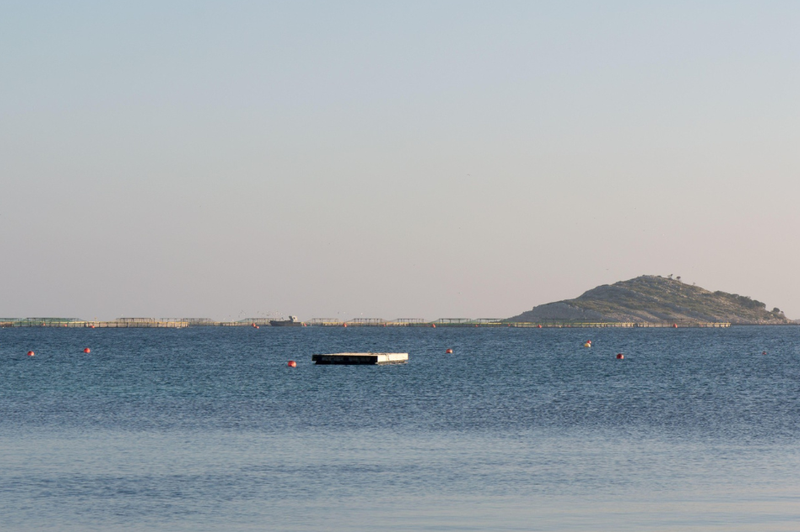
<point x="652" y="298"/>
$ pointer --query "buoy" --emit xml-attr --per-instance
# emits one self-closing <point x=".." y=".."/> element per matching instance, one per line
<point x="291" y="364"/>
<point x="30" y="353"/>
<point x="87" y="350"/>
<point x="620" y="356"/>
<point x="538" y="326"/>
<point x="254" y="326"/>
<point x="91" y="326"/>
<point x="587" y="344"/>
<point x="344" y="325"/>
<point x="449" y="351"/>
<point x="433" y="325"/>
<point x="674" y="325"/>
<point x="763" y="352"/>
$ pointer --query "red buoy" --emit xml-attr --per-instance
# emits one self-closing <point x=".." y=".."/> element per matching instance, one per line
<point x="291" y="364"/>
<point x="620" y="356"/>
<point x="674" y="325"/>
<point x="433" y="325"/>
<point x="30" y="353"/>
<point x="538" y="326"/>
<point x="345" y="325"/>
<point x="87" y="350"/>
<point x="763" y="352"/>
<point x="449" y="351"/>
<point x="91" y="326"/>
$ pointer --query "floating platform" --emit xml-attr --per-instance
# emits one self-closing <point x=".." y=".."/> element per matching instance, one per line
<point x="361" y="358"/>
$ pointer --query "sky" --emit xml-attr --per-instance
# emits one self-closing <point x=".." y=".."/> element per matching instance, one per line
<point x="392" y="159"/>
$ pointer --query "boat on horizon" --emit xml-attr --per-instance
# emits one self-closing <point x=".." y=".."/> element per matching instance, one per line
<point x="291" y="322"/>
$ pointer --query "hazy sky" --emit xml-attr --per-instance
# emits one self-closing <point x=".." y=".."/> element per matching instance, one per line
<point x="407" y="159"/>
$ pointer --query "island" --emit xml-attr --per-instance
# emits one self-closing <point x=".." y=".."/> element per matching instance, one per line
<point x="654" y="299"/>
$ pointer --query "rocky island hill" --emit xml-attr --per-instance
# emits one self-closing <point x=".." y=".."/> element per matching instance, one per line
<point x="652" y="298"/>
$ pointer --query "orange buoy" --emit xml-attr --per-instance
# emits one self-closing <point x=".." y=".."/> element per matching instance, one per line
<point x="91" y="326"/>
<point x="587" y="344"/>
<point x="30" y="353"/>
<point x="87" y="350"/>
<point x="620" y="356"/>
<point x="345" y="325"/>
<point x="433" y="325"/>
<point x="449" y="351"/>
<point x="538" y="326"/>
<point x="674" y="325"/>
<point x="291" y="364"/>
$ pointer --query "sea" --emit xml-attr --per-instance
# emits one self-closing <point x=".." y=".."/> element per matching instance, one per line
<point x="207" y="429"/>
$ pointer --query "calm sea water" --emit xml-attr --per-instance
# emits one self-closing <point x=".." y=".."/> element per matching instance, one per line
<point x="207" y="429"/>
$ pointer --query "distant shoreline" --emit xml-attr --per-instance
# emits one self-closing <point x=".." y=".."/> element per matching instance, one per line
<point x="172" y="323"/>
<point x="180" y="323"/>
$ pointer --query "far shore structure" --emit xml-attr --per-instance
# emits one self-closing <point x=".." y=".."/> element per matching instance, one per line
<point x="443" y="322"/>
<point x="646" y="301"/>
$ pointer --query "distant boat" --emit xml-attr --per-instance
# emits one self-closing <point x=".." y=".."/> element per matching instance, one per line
<point x="291" y="322"/>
